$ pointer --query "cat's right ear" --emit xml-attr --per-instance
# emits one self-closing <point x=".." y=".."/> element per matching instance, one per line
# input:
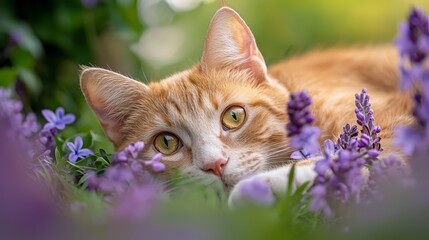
<point x="112" y="97"/>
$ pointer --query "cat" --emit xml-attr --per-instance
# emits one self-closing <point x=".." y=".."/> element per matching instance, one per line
<point x="223" y="120"/>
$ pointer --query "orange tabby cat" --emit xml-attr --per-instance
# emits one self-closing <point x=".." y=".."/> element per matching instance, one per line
<point x="224" y="119"/>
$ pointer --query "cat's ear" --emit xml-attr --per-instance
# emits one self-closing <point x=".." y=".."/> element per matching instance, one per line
<point x="112" y="97"/>
<point x="230" y="44"/>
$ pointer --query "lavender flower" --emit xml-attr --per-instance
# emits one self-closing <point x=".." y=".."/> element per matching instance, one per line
<point x="387" y="172"/>
<point x="57" y="120"/>
<point x="303" y="135"/>
<point x="339" y="175"/>
<point x="257" y="190"/>
<point x="348" y="139"/>
<point x="413" y="46"/>
<point x="155" y="163"/>
<point x="339" y="180"/>
<point x="77" y="151"/>
<point x="299" y="113"/>
<point x="413" y="39"/>
<point x="127" y="184"/>
<point x="131" y="152"/>
<point x="365" y="118"/>
<point x="136" y="203"/>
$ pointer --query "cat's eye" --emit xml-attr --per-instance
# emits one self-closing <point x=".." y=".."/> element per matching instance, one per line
<point x="167" y="143"/>
<point x="233" y="117"/>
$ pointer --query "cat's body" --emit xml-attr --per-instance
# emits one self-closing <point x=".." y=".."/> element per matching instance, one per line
<point x="224" y="120"/>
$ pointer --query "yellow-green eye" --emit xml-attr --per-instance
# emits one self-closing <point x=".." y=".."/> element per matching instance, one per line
<point x="166" y="143"/>
<point x="233" y="117"/>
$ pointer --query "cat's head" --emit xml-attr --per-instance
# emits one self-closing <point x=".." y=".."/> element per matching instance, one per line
<point x="220" y="121"/>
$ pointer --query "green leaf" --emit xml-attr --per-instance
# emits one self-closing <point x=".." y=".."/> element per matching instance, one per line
<point x="290" y="180"/>
<point x="101" y="163"/>
<point x="59" y="156"/>
<point x="7" y="76"/>
<point x="31" y="81"/>
<point x="300" y="190"/>
<point x="22" y="58"/>
<point x="103" y="154"/>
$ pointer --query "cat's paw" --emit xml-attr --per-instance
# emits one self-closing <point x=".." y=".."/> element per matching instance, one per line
<point x="263" y="188"/>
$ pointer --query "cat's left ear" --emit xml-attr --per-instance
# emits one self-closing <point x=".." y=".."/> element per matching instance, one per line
<point x="230" y="44"/>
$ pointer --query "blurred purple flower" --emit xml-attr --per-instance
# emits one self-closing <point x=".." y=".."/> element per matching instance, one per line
<point x="46" y="143"/>
<point x="303" y="154"/>
<point x="420" y="111"/>
<point x="329" y="147"/>
<point x="127" y="185"/>
<point x="155" y="163"/>
<point x="413" y="39"/>
<point x="413" y="46"/>
<point x="387" y="173"/>
<point x="257" y="190"/>
<point x="338" y="180"/>
<point x="136" y="203"/>
<point x="77" y="151"/>
<point x="308" y="138"/>
<point x="131" y="152"/>
<point x="57" y="120"/>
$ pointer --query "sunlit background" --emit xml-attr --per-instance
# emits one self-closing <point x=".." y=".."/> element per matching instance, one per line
<point x="44" y="42"/>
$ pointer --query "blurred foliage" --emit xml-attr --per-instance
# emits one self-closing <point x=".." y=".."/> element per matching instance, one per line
<point x="44" y="42"/>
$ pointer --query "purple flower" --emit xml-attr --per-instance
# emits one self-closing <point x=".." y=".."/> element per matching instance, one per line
<point x="136" y="203"/>
<point x="320" y="200"/>
<point x="155" y="163"/>
<point x="307" y="139"/>
<point x="77" y="151"/>
<point x="299" y="113"/>
<point x="57" y="120"/>
<point x="413" y="46"/>
<point x="299" y="128"/>
<point x="303" y="154"/>
<point x="338" y="180"/>
<point x="413" y="39"/>
<point x="420" y="111"/>
<point x="365" y="118"/>
<point x="348" y="139"/>
<point x="407" y="138"/>
<point x="131" y="152"/>
<point x="257" y="190"/>
<point x="387" y="172"/>
<point x="329" y="147"/>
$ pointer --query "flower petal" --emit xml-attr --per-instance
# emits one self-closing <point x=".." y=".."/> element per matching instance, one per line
<point x="60" y="126"/>
<point x="71" y="146"/>
<point x="78" y="143"/>
<point x="59" y="112"/>
<point x="68" y="118"/>
<point x="72" y="157"/>
<point x="156" y="158"/>
<point x="158" y="167"/>
<point x="49" y="115"/>
<point x="48" y="126"/>
<point x="297" y="155"/>
<point x="85" y="152"/>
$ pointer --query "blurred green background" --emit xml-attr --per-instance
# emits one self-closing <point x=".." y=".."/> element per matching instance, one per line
<point x="44" y="42"/>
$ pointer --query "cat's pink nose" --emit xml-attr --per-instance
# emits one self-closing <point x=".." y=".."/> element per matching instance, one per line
<point x="215" y="167"/>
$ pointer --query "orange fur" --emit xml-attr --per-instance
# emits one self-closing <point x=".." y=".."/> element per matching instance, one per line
<point x="232" y="72"/>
